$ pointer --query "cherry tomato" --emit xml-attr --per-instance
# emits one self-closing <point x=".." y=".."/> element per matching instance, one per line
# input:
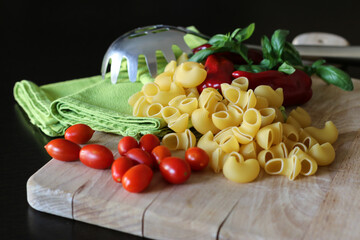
<point x="160" y="152"/>
<point x="141" y="156"/>
<point x="127" y="143"/>
<point x="175" y="170"/>
<point x="137" y="178"/>
<point x="197" y="158"/>
<point x="148" y="142"/>
<point x="63" y="150"/>
<point x="119" y="167"/>
<point x="79" y="133"/>
<point x="96" y="156"/>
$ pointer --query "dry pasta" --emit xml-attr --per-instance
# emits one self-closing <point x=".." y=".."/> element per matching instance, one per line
<point x="323" y="154"/>
<point x="207" y="143"/>
<point x="289" y="167"/>
<point x="189" y="74"/>
<point x="241" y="82"/>
<point x="242" y="130"/>
<point x="308" y="164"/>
<point x="301" y="116"/>
<point x="201" y="120"/>
<point x="327" y="134"/>
<point x="240" y="170"/>
<point x="180" y="124"/>
<point x="275" y="98"/>
<point x="179" y="141"/>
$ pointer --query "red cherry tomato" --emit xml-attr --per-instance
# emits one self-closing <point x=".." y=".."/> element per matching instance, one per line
<point x="127" y="143"/>
<point x="160" y="152"/>
<point x="137" y="178"/>
<point x="175" y="170"/>
<point x="79" y="133"/>
<point x="96" y="156"/>
<point x="119" y="167"/>
<point x="148" y="142"/>
<point x="63" y="150"/>
<point x="197" y="158"/>
<point x="141" y="156"/>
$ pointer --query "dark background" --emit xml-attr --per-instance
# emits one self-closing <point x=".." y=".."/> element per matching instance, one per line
<point x="55" y="41"/>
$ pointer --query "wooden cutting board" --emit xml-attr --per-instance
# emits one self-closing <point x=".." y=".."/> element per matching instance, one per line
<point x="208" y="206"/>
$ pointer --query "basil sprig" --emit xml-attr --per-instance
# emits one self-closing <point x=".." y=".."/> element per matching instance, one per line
<point x="330" y="74"/>
<point x="231" y="42"/>
<point x="281" y="55"/>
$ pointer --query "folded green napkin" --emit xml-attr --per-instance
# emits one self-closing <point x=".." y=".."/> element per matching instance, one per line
<point x="93" y="101"/>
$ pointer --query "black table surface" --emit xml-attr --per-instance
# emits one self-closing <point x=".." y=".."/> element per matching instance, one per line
<point x="49" y="42"/>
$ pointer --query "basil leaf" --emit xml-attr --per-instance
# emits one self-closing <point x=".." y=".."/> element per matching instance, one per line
<point x="286" y="68"/>
<point x="251" y="68"/>
<point x="203" y="54"/>
<point x="278" y="40"/>
<point x="266" y="47"/>
<point x="335" y="76"/>
<point x="243" y="34"/>
<point x="291" y="55"/>
<point x="242" y="50"/>
<point x="218" y="39"/>
<point x="318" y="63"/>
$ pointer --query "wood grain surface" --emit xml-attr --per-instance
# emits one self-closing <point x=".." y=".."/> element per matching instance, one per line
<point x="208" y="206"/>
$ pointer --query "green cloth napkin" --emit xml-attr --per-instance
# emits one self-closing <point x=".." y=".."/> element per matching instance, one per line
<point x="93" y="101"/>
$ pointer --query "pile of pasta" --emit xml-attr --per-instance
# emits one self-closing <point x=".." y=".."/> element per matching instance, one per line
<point x="243" y="130"/>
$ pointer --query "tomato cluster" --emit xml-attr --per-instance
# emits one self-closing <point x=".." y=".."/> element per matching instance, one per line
<point x="68" y="148"/>
<point x="150" y="155"/>
<point x="137" y="162"/>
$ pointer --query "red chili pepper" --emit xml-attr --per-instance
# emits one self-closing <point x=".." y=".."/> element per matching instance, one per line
<point x="296" y="86"/>
<point x="219" y="70"/>
<point x="253" y="54"/>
